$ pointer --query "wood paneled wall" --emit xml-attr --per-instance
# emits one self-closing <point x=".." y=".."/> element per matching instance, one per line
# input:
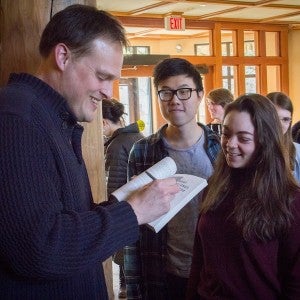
<point x="21" y="25"/>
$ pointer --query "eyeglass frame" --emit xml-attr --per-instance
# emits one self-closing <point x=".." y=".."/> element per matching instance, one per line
<point x="174" y="92"/>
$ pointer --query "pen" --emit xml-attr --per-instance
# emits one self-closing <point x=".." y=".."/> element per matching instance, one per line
<point x="150" y="175"/>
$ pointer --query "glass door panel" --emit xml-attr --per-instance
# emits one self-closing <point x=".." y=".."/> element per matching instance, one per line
<point x="135" y="94"/>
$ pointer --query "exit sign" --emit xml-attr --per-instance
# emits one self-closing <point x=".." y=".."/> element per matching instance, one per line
<point x="175" y="23"/>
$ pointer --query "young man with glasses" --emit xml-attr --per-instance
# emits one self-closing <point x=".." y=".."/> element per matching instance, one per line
<point x="158" y="265"/>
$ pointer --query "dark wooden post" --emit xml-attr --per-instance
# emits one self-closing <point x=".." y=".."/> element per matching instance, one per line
<point x="20" y="28"/>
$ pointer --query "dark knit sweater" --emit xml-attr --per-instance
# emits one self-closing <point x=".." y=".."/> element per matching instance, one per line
<point x="52" y="238"/>
<point x="225" y="266"/>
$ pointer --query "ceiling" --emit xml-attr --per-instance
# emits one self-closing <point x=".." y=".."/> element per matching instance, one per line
<point x="145" y="18"/>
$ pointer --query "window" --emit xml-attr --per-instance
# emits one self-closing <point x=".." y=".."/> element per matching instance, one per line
<point x="249" y="48"/>
<point x="272" y="44"/>
<point x="227" y="49"/>
<point x="229" y="78"/>
<point x="137" y="50"/>
<point x="273" y="78"/>
<point x="135" y="94"/>
<point x="228" y="41"/>
<point x="251" y="79"/>
<point x="202" y="49"/>
<point x="250" y="42"/>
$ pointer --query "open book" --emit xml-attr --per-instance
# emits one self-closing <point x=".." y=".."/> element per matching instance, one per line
<point x="190" y="186"/>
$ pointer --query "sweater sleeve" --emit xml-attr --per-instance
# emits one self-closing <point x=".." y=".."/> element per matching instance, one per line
<point x="41" y="236"/>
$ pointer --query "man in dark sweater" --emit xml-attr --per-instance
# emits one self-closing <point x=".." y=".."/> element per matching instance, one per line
<point x="53" y="237"/>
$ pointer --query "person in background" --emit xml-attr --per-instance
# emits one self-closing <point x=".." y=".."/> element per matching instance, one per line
<point x="216" y="100"/>
<point x="158" y="265"/>
<point x="120" y="139"/>
<point x="247" y="241"/>
<point x="296" y="132"/>
<point x="54" y="238"/>
<point x="284" y="108"/>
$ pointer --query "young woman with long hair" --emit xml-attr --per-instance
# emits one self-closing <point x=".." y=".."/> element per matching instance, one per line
<point x="247" y="241"/>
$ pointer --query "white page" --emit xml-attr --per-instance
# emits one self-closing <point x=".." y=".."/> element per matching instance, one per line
<point x="162" y="169"/>
<point x="190" y="186"/>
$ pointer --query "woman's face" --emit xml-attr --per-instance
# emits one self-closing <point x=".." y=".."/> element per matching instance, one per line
<point x="238" y="139"/>
<point x="285" y="118"/>
<point x="216" y="110"/>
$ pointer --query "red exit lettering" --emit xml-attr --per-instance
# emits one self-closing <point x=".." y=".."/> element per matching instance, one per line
<point x="175" y="23"/>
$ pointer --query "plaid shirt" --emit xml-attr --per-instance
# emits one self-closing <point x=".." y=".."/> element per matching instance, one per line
<point x="145" y="261"/>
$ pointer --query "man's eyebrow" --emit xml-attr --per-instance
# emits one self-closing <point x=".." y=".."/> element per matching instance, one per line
<point x="106" y="75"/>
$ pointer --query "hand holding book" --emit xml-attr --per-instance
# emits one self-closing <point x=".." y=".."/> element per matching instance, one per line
<point x="189" y="186"/>
<point x="153" y="199"/>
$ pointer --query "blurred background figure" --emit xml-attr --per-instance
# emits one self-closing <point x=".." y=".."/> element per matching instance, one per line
<point x="216" y="100"/>
<point x="296" y="132"/>
<point x="284" y="107"/>
<point x="118" y="142"/>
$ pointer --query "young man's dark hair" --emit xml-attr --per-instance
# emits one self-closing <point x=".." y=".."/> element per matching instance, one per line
<point x="176" y="66"/>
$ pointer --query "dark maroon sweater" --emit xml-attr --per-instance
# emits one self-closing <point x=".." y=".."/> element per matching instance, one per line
<point x="225" y="266"/>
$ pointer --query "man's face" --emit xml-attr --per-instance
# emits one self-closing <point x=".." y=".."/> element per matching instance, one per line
<point x="179" y="112"/>
<point x="89" y="79"/>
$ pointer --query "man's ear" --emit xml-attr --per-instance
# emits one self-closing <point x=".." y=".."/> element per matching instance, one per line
<point x="62" y="55"/>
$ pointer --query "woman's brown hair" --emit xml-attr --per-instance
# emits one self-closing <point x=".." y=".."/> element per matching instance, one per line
<point x="263" y="191"/>
<point x="283" y="101"/>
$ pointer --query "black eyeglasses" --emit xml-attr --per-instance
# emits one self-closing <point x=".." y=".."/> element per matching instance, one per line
<point x="182" y="94"/>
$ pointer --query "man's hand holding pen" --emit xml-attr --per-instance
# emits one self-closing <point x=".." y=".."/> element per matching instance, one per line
<point x="153" y="200"/>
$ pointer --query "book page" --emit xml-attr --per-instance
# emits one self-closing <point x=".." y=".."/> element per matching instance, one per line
<point x="190" y="186"/>
<point x="162" y="169"/>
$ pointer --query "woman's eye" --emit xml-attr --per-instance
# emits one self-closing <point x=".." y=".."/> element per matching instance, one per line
<point x="245" y="140"/>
